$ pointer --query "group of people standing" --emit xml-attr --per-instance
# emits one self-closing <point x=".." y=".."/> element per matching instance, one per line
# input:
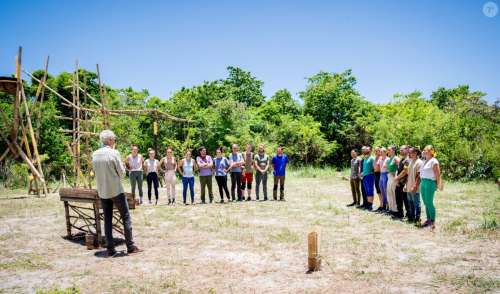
<point x="399" y="181"/>
<point x="241" y="168"/>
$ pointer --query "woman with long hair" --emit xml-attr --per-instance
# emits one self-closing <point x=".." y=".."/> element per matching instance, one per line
<point x="430" y="181"/>
<point x="169" y="165"/>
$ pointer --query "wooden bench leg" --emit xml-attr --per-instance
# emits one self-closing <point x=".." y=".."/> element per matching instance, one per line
<point x="97" y="223"/>
<point x="68" y="222"/>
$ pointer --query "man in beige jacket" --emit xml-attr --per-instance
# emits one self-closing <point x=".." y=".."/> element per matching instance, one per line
<point x="109" y="170"/>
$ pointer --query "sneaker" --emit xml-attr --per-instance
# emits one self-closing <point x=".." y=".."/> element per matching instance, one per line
<point x="111" y="252"/>
<point x="133" y="249"/>
<point x="249" y="198"/>
<point x="156" y="202"/>
<point x="169" y="202"/>
<point x="427" y="223"/>
<point x="140" y="201"/>
<point x="265" y="199"/>
<point x="352" y="204"/>
<point x="150" y="202"/>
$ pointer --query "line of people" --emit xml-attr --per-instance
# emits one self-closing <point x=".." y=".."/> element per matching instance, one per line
<point x="240" y="167"/>
<point x="399" y="181"/>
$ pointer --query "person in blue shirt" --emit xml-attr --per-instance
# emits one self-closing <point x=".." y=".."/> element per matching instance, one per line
<point x="280" y="163"/>
<point x="221" y="169"/>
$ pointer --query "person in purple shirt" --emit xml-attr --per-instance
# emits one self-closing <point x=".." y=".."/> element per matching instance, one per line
<point x="205" y="164"/>
<point x="280" y="163"/>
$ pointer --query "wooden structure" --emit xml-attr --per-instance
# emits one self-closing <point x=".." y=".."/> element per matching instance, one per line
<point x="83" y="213"/>
<point x="86" y="111"/>
<point x="313" y="258"/>
<point x="22" y="121"/>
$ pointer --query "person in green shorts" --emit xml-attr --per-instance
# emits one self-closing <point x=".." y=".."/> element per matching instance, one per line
<point x="368" y="174"/>
<point x="430" y="181"/>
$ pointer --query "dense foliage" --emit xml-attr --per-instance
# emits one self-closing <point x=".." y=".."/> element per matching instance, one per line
<point x="331" y="119"/>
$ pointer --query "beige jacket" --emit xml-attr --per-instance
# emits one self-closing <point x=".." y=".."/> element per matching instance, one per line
<point x="109" y="170"/>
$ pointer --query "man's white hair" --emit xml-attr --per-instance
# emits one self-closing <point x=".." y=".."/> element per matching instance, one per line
<point x="105" y="135"/>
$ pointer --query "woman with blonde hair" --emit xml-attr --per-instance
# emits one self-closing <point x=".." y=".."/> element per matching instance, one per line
<point x="381" y="162"/>
<point x="169" y="165"/>
<point x="392" y="167"/>
<point x="430" y="181"/>
<point x="151" y="166"/>
<point x="187" y="167"/>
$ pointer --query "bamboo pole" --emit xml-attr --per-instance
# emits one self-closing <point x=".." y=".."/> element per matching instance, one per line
<point x="74" y="133"/>
<point x="17" y="99"/>
<point x="104" y="105"/>
<point x="52" y="90"/>
<point x="86" y="138"/>
<point x="33" y="141"/>
<point x="4" y="155"/>
<point x="78" y="112"/>
<point x="41" y="92"/>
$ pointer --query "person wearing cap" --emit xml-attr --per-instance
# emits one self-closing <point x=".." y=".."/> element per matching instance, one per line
<point x="109" y="170"/>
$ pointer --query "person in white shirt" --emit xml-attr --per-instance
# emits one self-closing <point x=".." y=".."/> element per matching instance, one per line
<point x="134" y="165"/>
<point x="151" y="166"/>
<point x="430" y="181"/>
<point x="109" y="170"/>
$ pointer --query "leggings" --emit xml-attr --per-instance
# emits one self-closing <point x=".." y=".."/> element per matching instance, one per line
<point x="187" y="182"/>
<point x="222" y="183"/>
<point x="427" y="189"/>
<point x="236" y="186"/>
<point x="152" y="179"/>
<point x="377" y="182"/>
<point x="136" y="178"/>
<point x="383" y="187"/>
<point x="170" y="184"/>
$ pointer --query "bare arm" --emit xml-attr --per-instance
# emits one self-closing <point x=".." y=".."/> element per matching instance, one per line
<point x="437" y="173"/>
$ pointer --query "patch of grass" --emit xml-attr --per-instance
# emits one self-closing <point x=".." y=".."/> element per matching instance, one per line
<point x="314" y="172"/>
<point x="285" y="236"/>
<point x="490" y="221"/>
<point x="470" y="282"/>
<point x="56" y="290"/>
<point x="25" y="262"/>
<point x="455" y="225"/>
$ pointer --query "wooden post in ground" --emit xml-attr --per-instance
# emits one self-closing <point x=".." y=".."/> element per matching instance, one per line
<point x="313" y="260"/>
<point x="86" y="138"/>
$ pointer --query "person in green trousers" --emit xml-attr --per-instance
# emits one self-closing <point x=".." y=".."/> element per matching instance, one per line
<point x="430" y="181"/>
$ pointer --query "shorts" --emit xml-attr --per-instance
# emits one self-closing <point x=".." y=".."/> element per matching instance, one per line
<point x="246" y="179"/>
<point x="368" y="184"/>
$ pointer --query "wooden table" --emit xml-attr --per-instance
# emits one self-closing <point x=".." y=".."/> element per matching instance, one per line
<point x="84" y="213"/>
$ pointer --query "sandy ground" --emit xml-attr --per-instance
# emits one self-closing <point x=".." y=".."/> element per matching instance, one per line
<point x="261" y="247"/>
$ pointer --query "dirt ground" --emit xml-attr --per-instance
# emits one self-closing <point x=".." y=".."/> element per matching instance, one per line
<point x="261" y="247"/>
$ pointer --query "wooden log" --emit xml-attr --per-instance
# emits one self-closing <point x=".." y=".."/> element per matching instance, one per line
<point x="27" y="160"/>
<point x="41" y="94"/>
<point x="313" y="260"/>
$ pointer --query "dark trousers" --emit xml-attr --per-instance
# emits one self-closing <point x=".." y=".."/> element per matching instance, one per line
<point x="121" y="204"/>
<point x="206" y="182"/>
<point x="401" y="199"/>
<point x="152" y="179"/>
<point x="236" y="185"/>
<point x="355" y="190"/>
<point x="222" y="183"/>
<point x="281" y="181"/>
<point x="260" y="177"/>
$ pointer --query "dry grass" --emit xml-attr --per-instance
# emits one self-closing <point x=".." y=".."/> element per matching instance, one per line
<point x="260" y="247"/>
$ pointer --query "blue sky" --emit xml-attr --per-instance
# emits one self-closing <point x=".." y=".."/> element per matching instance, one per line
<point x="391" y="46"/>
